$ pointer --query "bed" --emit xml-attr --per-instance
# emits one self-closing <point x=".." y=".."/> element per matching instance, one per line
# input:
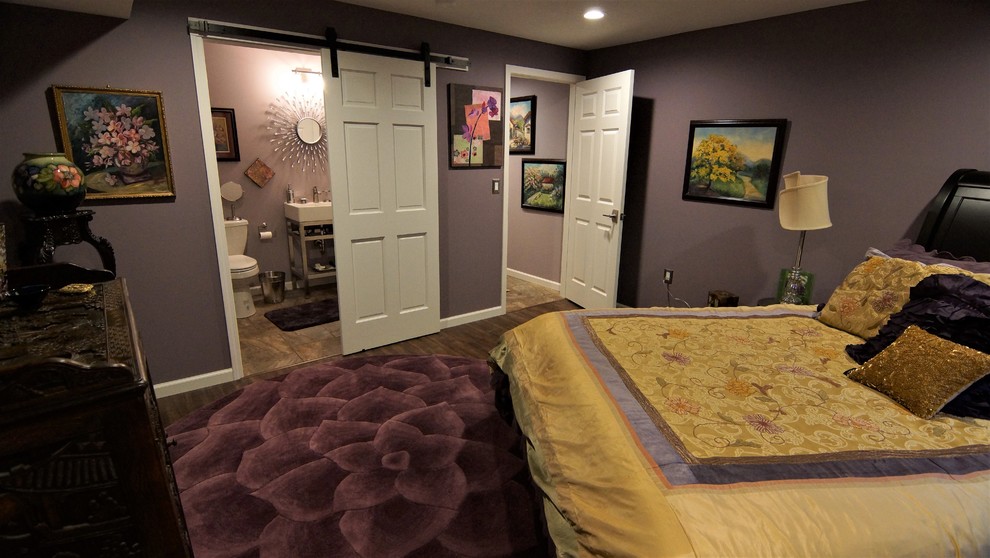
<point x="858" y="428"/>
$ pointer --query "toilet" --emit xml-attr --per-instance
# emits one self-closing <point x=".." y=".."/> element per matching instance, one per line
<point x="243" y="269"/>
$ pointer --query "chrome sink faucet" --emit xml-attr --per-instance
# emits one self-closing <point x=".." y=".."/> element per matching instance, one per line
<point x="316" y="194"/>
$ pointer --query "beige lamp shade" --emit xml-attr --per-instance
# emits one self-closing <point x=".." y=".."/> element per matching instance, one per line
<point x="803" y="203"/>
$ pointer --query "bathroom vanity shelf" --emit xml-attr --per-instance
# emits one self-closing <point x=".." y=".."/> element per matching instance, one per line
<point x="301" y="235"/>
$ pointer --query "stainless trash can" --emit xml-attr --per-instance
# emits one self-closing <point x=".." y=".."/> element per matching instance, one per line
<point x="273" y="286"/>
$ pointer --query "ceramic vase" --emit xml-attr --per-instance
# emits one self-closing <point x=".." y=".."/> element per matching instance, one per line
<point x="49" y="183"/>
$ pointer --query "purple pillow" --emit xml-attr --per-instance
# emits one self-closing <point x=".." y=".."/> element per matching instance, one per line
<point x="905" y="249"/>
<point x="953" y="307"/>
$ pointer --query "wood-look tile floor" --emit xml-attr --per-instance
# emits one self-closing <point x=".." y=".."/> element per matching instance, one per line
<point x="265" y="347"/>
<point x="474" y="339"/>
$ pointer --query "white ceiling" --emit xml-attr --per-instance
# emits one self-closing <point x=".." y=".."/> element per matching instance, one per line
<point x="561" y="22"/>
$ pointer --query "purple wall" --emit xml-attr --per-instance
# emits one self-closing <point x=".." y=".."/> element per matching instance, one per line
<point x="536" y="237"/>
<point x="166" y="251"/>
<point x="249" y="79"/>
<point x="886" y="97"/>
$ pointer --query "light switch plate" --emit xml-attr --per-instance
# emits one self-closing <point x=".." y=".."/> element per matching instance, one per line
<point x="496" y="186"/>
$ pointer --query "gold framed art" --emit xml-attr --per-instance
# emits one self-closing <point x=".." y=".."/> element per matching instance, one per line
<point x="119" y="139"/>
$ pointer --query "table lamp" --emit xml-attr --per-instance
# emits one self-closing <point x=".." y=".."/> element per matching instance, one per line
<point x="802" y="206"/>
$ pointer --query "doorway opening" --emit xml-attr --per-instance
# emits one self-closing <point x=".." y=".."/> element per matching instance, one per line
<point x="532" y="241"/>
<point x="263" y="91"/>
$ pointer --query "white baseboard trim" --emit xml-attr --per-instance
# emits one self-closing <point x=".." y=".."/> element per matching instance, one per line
<point x="554" y="285"/>
<point x="191" y="383"/>
<point x="471" y="317"/>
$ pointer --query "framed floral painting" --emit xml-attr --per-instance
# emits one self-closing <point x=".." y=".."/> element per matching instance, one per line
<point x="475" y="127"/>
<point x="118" y="138"/>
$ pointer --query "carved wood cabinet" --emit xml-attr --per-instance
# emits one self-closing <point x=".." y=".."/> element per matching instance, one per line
<point x="84" y="469"/>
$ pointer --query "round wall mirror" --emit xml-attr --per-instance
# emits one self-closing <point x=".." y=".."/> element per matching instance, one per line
<point x="231" y="191"/>
<point x="308" y="130"/>
<point x="298" y="131"/>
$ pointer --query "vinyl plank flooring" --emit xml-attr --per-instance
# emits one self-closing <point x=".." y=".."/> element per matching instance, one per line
<point x="474" y="340"/>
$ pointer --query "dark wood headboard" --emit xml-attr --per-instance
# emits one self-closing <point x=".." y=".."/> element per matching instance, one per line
<point x="958" y="219"/>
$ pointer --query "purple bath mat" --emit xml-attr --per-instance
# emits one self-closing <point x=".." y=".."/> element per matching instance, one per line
<point x="305" y="315"/>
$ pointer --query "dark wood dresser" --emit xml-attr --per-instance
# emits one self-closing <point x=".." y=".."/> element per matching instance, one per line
<point x="84" y="469"/>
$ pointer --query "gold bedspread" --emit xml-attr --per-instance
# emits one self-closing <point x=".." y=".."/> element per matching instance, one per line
<point x="734" y="432"/>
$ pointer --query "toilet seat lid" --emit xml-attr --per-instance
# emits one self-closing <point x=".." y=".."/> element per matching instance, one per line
<point x="241" y="262"/>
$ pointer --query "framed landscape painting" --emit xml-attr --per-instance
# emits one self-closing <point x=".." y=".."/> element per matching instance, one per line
<point x="734" y="161"/>
<point x="118" y="138"/>
<point x="475" y="138"/>
<point x="543" y="184"/>
<point x="522" y="125"/>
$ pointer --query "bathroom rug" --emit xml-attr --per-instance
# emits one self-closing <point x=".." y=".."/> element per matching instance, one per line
<point x="305" y="315"/>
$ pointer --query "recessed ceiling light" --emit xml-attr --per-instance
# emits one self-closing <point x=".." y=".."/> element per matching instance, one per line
<point x="594" y="13"/>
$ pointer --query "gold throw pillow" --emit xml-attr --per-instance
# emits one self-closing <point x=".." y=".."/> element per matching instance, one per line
<point x="877" y="288"/>
<point x="922" y="372"/>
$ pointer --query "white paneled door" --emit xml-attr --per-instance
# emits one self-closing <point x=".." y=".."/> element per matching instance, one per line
<point x="596" y="184"/>
<point x="382" y="143"/>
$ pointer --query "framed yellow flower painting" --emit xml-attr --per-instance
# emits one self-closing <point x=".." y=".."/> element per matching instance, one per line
<point x="734" y="161"/>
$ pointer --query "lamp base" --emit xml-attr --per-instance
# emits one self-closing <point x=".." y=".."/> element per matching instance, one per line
<point x="794" y="286"/>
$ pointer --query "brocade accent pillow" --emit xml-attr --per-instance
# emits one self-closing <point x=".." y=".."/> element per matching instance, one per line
<point x="922" y="371"/>
<point x="877" y="288"/>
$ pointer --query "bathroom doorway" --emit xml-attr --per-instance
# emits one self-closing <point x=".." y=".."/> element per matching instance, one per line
<point x="264" y="91"/>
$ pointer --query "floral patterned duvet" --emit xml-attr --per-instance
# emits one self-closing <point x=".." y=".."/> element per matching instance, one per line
<point x="734" y="432"/>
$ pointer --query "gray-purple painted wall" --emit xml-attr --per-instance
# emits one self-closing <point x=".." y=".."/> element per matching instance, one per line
<point x="166" y="251"/>
<point x="250" y="80"/>
<point x="886" y="97"/>
<point x="536" y="237"/>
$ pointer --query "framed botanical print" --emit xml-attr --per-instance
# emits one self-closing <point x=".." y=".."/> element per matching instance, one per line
<point x="225" y="134"/>
<point x="118" y="138"/>
<point x="475" y="140"/>
<point x="734" y="161"/>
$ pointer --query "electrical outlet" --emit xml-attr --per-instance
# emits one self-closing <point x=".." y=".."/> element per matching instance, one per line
<point x="668" y="276"/>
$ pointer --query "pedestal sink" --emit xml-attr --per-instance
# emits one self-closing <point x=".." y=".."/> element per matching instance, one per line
<point x="307" y="212"/>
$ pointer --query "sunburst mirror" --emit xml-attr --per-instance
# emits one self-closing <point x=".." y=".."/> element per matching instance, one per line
<point x="298" y="130"/>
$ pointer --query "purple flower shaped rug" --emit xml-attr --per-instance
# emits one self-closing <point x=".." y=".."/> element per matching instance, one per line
<point x="381" y="456"/>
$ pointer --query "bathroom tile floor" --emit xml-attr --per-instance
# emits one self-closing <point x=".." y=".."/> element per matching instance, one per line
<point x="264" y="347"/>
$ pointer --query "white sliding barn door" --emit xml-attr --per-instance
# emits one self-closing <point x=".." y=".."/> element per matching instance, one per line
<point x="596" y="185"/>
<point x="382" y="143"/>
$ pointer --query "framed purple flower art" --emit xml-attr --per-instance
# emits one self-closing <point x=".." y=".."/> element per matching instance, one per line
<point x="118" y="138"/>
<point x="476" y="129"/>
